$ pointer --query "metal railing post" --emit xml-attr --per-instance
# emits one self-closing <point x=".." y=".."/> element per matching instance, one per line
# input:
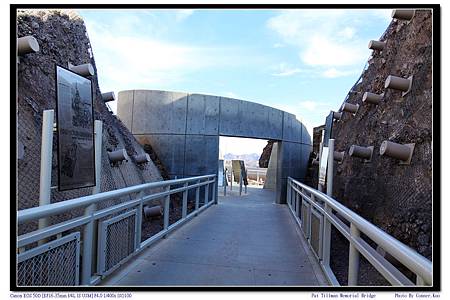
<point x="206" y="193"/>
<point x="326" y="244"/>
<point x="215" y="186"/>
<point x="166" y="210"/>
<point x="289" y="192"/>
<point x="46" y="164"/>
<point x="225" y="182"/>
<point x="197" y="196"/>
<point x="139" y="220"/>
<point x="297" y="204"/>
<point x="231" y="182"/>
<point x="184" y="205"/>
<point x="330" y="166"/>
<point x="89" y="229"/>
<point x="353" y="258"/>
<point x="240" y="183"/>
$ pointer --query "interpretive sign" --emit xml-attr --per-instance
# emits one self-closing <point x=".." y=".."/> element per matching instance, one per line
<point x="328" y="129"/>
<point x="75" y="126"/>
<point x="323" y="165"/>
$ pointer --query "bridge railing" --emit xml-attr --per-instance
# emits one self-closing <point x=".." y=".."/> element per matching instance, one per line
<point x="315" y="212"/>
<point x="102" y="239"/>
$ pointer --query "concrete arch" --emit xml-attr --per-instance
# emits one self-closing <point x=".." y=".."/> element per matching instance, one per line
<point x="184" y="130"/>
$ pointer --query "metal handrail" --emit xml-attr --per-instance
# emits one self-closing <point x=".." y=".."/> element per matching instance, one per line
<point x="136" y="204"/>
<point x="39" y="212"/>
<point x="417" y="263"/>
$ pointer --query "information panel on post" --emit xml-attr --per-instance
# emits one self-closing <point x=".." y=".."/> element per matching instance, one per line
<point x="324" y="157"/>
<point x="75" y="127"/>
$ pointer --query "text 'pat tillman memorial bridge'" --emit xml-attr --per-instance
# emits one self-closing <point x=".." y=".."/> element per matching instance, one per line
<point x="140" y="198"/>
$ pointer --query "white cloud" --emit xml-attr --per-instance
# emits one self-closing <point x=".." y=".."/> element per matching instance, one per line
<point x="347" y="32"/>
<point x="325" y="38"/>
<point x="278" y="45"/>
<point x="127" y="58"/>
<point x="182" y="14"/>
<point x="334" y="73"/>
<point x="283" y="69"/>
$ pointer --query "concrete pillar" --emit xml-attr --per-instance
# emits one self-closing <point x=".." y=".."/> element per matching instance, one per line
<point x="361" y="152"/>
<point x="372" y="98"/>
<point x="398" y="83"/>
<point x="83" y="70"/>
<point x="27" y="44"/>
<point x="337" y="115"/>
<point x="377" y="45"/>
<point x="351" y="108"/>
<point x="117" y="156"/>
<point x="142" y="158"/>
<point x="339" y="156"/>
<point x="398" y="151"/>
<point x="403" y="14"/>
<point x="109" y="96"/>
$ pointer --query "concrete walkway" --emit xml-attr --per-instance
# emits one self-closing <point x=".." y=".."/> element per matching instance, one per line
<point x="245" y="240"/>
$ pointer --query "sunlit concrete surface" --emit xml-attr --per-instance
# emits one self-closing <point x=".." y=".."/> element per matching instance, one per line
<point x="247" y="240"/>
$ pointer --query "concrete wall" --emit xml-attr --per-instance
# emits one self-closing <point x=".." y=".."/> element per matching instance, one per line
<point x="184" y="130"/>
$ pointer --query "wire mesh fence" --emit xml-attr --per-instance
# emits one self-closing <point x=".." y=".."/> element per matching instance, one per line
<point x="52" y="264"/>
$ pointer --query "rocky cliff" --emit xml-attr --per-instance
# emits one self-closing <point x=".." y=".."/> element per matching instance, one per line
<point x="63" y="39"/>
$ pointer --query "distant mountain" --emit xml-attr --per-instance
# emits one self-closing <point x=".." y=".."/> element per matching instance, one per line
<point x="245" y="157"/>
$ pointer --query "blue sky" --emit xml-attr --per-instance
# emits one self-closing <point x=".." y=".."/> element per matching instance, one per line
<point x="300" y="61"/>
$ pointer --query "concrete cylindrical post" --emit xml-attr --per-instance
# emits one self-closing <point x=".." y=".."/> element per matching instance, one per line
<point x="337" y="115"/>
<point x="397" y="83"/>
<point x="351" y="108"/>
<point x="339" y="156"/>
<point x="398" y="151"/>
<point x="83" y="70"/>
<point x="117" y="156"/>
<point x="361" y="152"/>
<point x="142" y="158"/>
<point x="372" y="98"/>
<point x="403" y="14"/>
<point x="109" y="96"/>
<point x="155" y="211"/>
<point x="376" y="45"/>
<point x="27" y="44"/>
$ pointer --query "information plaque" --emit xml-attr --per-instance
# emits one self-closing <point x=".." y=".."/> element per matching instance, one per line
<point x="75" y="127"/>
<point x="328" y="129"/>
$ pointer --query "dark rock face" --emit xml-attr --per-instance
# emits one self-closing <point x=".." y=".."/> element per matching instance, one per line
<point x="62" y="38"/>
<point x="397" y="198"/>
<point x="265" y="155"/>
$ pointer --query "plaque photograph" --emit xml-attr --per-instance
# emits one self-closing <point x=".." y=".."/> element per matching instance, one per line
<point x="75" y="124"/>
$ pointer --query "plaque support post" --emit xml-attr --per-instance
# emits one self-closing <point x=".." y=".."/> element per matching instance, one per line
<point x="89" y="232"/>
<point x="46" y="164"/>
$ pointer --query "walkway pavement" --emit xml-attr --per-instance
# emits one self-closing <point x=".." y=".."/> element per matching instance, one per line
<point x="245" y="240"/>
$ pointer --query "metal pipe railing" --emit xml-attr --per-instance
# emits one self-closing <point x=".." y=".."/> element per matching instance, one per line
<point x="135" y="204"/>
<point x="324" y="204"/>
<point x="34" y="213"/>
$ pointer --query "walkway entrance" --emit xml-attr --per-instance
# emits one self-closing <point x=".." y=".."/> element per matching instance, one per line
<point x="244" y="240"/>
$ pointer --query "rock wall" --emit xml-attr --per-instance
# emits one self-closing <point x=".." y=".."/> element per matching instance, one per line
<point x="263" y="161"/>
<point x="62" y="38"/>
<point x="397" y="198"/>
